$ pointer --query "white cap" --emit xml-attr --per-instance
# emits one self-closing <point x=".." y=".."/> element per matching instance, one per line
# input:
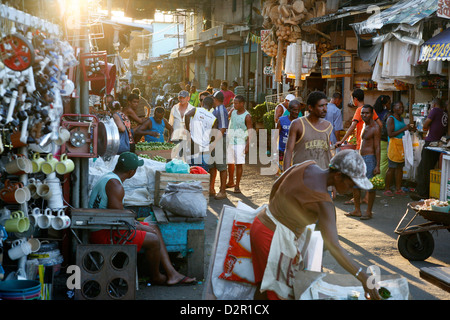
<point x="290" y="97"/>
<point x="350" y="163"/>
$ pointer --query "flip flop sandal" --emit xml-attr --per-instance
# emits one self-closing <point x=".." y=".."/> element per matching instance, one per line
<point x="349" y="214"/>
<point x="388" y="193"/>
<point x="220" y="196"/>
<point x="349" y="202"/>
<point x="183" y="282"/>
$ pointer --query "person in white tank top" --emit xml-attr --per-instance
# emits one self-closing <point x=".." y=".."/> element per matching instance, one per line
<point x="237" y="141"/>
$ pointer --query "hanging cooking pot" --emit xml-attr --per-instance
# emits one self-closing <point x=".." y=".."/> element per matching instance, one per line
<point x="108" y="139"/>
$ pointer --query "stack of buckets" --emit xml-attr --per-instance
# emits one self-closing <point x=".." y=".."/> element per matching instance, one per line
<point x="20" y="290"/>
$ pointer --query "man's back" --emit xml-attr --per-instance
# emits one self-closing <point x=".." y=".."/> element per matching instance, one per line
<point x="98" y="198"/>
<point x="143" y="109"/>
<point x="334" y="116"/>
<point x="438" y="126"/>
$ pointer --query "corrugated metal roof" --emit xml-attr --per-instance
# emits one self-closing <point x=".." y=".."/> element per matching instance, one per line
<point x="404" y="12"/>
<point x="346" y="12"/>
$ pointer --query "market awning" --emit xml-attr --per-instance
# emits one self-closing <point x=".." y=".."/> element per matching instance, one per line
<point x="174" y="54"/>
<point x="187" y="52"/>
<point x="130" y="25"/>
<point x="407" y="12"/>
<point x="436" y="48"/>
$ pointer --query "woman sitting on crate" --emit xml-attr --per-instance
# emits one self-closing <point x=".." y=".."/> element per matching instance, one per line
<point x="108" y="193"/>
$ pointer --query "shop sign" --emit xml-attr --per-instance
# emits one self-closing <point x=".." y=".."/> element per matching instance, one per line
<point x="443" y="9"/>
<point x="268" y="70"/>
<point x="438" y="51"/>
<point x="265" y="33"/>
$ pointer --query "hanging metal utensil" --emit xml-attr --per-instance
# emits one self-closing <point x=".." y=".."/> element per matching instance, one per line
<point x="108" y="139"/>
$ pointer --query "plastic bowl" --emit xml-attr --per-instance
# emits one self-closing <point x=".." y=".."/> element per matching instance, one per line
<point x="19" y="286"/>
<point x="445" y="209"/>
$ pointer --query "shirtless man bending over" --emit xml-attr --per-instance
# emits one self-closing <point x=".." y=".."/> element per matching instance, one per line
<point x="370" y="152"/>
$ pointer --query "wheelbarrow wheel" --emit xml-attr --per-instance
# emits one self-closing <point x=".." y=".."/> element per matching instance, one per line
<point x="416" y="246"/>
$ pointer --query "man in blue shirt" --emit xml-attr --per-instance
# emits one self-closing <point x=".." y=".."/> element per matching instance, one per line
<point x="334" y="116"/>
<point x="219" y="162"/>
<point x="283" y="126"/>
<point x="153" y="128"/>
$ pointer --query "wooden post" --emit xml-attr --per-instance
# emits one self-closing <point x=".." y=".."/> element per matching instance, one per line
<point x="208" y="65"/>
<point x="258" y="73"/>
<point x="411" y="97"/>
<point x="299" y="61"/>
<point x="279" y="61"/>
<point x="225" y="65"/>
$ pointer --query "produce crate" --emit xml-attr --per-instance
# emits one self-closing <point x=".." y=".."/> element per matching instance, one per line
<point x="152" y="149"/>
<point x="163" y="178"/>
<point x="435" y="183"/>
<point x="152" y="153"/>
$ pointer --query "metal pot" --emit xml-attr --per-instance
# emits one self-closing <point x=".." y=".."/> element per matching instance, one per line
<point x="108" y="139"/>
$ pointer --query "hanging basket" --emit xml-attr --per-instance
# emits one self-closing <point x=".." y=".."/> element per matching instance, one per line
<point x="94" y="65"/>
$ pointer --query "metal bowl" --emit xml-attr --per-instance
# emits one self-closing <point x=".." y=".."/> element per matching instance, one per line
<point x="108" y="139"/>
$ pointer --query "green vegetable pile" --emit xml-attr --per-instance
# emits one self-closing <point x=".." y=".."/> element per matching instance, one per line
<point x="269" y="120"/>
<point x="148" y="146"/>
<point x="378" y="182"/>
<point x="260" y="110"/>
<point x="155" y="158"/>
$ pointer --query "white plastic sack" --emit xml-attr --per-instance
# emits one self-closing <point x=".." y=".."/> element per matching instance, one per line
<point x="314" y="252"/>
<point x="286" y="257"/>
<point x="322" y="288"/>
<point x="221" y="289"/>
<point x="139" y="190"/>
<point x="185" y="199"/>
<point x="408" y="150"/>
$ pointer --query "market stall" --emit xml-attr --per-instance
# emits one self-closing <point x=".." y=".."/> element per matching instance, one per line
<point x="415" y="43"/>
<point x="35" y="93"/>
<point x="47" y="138"/>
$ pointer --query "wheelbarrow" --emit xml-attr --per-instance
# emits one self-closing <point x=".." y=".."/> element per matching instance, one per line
<point x="415" y="242"/>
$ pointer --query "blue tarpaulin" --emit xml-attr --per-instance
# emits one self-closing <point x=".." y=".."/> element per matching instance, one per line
<point x="437" y="48"/>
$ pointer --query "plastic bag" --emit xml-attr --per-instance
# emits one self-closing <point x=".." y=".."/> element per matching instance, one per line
<point x="198" y="170"/>
<point x="185" y="199"/>
<point x="177" y="166"/>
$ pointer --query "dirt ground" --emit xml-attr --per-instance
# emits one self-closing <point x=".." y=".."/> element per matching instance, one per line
<point x="371" y="242"/>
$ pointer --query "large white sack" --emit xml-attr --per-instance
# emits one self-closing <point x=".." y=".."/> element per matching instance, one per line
<point x="139" y="190"/>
